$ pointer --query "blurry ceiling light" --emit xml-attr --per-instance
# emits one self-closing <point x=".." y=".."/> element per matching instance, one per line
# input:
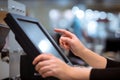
<point x="74" y="9"/>
<point x="96" y="15"/>
<point x="78" y="12"/>
<point x="54" y="14"/>
<point x="92" y="28"/>
<point x="89" y="14"/>
<point x="103" y="15"/>
<point x="68" y="15"/>
<point x="110" y="16"/>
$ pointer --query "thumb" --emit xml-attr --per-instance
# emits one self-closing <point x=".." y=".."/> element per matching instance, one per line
<point x="65" y="42"/>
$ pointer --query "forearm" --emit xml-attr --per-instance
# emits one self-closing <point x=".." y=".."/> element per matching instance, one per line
<point x="93" y="59"/>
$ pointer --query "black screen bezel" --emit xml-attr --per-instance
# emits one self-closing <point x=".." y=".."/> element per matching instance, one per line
<point x="13" y="22"/>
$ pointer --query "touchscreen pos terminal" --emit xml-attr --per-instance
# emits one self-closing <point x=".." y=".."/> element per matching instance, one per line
<point x="33" y="37"/>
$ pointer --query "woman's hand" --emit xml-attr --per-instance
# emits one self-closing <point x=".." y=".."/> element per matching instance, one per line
<point x="48" y="65"/>
<point x="69" y="41"/>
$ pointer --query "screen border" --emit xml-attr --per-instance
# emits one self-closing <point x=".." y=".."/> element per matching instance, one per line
<point x="13" y="22"/>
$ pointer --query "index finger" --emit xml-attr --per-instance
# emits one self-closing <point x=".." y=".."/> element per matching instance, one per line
<point x="64" y="32"/>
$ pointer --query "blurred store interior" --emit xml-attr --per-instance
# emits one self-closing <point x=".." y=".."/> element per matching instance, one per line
<point x="95" y="22"/>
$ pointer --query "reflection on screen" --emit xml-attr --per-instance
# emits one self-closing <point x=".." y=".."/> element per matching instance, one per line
<point x="38" y="38"/>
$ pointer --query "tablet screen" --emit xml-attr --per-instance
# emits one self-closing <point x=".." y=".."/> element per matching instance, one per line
<point x="38" y="38"/>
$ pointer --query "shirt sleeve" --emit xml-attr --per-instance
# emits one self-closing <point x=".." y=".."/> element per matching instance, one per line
<point x="112" y="64"/>
<point x="111" y="72"/>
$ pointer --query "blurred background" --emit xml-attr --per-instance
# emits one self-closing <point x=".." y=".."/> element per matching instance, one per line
<point x="95" y="22"/>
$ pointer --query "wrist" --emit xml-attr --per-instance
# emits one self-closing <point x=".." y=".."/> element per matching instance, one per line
<point x="72" y="73"/>
<point x="82" y="52"/>
<point x="80" y="73"/>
